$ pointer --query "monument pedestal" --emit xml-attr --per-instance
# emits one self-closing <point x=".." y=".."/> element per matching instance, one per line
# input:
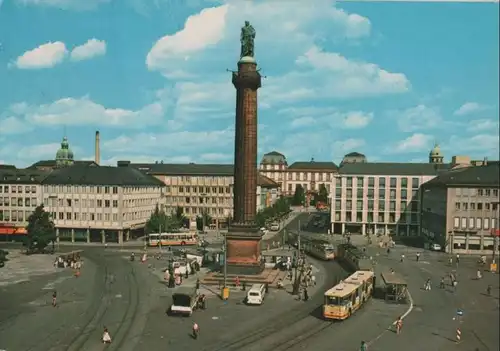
<point x="243" y="250"/>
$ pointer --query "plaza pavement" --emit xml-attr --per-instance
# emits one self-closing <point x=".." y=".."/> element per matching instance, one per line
<point x="110" y="292"/>
<point x="432" y="323"/>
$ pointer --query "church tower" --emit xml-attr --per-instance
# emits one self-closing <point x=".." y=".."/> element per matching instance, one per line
<point x="435" y="156"/>
<point x="64" y="156"/>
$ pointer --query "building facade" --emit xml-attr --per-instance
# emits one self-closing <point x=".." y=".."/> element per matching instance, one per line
<point x="310" y="175"/>
<point x="86" y="202"/>
<point x="20" y="193"/>
<point x="379" y="198"/>
<point x="460" y="209"/>
<point x="205" y="188"/>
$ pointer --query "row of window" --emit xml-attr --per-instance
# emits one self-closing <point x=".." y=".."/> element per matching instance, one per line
<point x="18" y="201"/>
<point x="84" y="216"/>
<point x="476" y="192"/>
<point x="370" y="205"/>
<point x="199" y="189"/>
<point x="382" y="192"/>
<point x="393" y="182"/>
<point x="473" y="223"/>
<point x="14" y="216"/>
<point x="379" y="217"/>
<point x="219" y="212"/>
<point x="224" y="201"/>
<point x="473" y="206"/>
<point x="14" y="189"/>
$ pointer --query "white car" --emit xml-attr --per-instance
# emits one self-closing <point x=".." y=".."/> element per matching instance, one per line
<point x="435" y="247"/>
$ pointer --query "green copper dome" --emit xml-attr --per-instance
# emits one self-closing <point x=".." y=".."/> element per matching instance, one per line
<point x="436" y="151"/>
<point x="64" y="156"/>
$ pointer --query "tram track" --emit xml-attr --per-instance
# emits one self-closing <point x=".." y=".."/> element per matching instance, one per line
<point x="284" y="321"/>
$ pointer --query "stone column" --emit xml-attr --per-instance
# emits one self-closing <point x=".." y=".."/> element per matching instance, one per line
<point x="343" y="228"/>
<point x="363" y="229"/>
<point x="120" y="237"/>
<point x="243" y="238"/>
<point x="57" y="235"/>
<point x="127" y="235"/>
<point x="72" y="235"/>
<point x="103" y="237"/>
<point x="88" y="235"/>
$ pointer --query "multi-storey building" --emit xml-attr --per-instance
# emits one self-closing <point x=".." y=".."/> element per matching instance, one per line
<point x="205" y="188"/>
<point x="87" y="202"/>
<point x="460" y="208"/>
<point x="307" y="174"/>
<point x="20" y="193"/>
<point x="380" y="198"/>
<point x="95" y="203"/>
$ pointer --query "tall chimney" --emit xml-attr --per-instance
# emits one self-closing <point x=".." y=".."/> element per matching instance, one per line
<point x="97" y="148"/>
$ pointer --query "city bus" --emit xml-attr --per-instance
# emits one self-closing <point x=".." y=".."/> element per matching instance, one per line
<point x="348" y="296"/>
<point x="173" y="239"/>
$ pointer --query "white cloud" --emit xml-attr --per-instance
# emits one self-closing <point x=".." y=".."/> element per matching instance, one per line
<point x="342" y="147"/>
<point x="200" y="30"/>
<point x="357" y="119"/>
<point x="468" y="108"/>
<point x="45" y="56"/>
<point x="92" y="48"/>
<point x="14" y="125"/>
<point x="181" y="142"/>
<point x="22" y="155"/>
<point x="482" y="144"/>
<point x="416" y="118"/>
<point x="83" y="111"/>
<point x="417" y="142"/>
<point x="78" y="5"/>
<point x="479" y="125"/>
<point x="211" y="37"/>
<point x="301" y="122"/>
<point x="326" y="75"/>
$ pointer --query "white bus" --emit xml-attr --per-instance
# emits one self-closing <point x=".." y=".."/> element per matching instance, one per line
<point x="173" y="239"/>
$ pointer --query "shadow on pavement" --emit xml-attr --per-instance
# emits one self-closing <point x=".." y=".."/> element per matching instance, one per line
<point x="317" y="313"/>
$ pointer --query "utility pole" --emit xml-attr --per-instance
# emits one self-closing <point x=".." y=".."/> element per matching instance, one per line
<point x="159" y="242"/>
<point x="225" y="261"/>
<point x="296" y="283"/>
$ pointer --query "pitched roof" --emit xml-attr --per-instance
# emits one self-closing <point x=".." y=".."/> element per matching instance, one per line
<point x="52" y="163"/>
<point x="266" y="182"/>
<point x="390" y="168"/>
<point x="186" y="169"/>
<point x="354" y="154"/>
<point x="313" y="165"/>
<point x="274" y="153"/>
<point x="22" y="176"/>
<point x="474" y="176"/>
<point x="82" y="174"/>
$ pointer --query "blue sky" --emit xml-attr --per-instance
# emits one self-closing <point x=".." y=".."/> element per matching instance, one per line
<point x="385" y="79"/>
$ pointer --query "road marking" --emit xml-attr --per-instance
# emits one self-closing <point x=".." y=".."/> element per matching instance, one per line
<point x="51" y="285"/>
<point x="410" y="308"/>
<point x="215" y="318"/>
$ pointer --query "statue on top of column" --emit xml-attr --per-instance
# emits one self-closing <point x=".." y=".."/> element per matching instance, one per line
<point x="247" y="38"/>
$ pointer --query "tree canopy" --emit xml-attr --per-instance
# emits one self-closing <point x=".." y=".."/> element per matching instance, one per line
<point x="278" y="209"/>
<point x="322" y="195"/>
<point x="299" y="196"/>
<point x="159" y="221"/>
<point x="41" y="230"/>
<point x="205" y="218"/>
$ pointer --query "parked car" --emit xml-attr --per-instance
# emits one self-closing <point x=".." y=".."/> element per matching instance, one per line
<point x="435" y="247"/>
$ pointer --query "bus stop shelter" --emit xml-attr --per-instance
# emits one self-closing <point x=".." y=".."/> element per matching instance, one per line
<point x="396" y="288"/>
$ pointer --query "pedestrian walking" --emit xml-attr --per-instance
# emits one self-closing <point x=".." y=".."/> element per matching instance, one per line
<point x="54" y="299"/>
<point x="363" y="347"/>
<point x="441" y="283"/>
<point x="418" y="256"/>
<point x="488" y="290"/>
<point x="196" y="330"/>
<point x="306" y="295"/>
<point x="458" y="258"/>
<point x="106" y="338"/>
<point x="402" y="257"/>
<point x="427" y="285"/>
<point x="399" y="325"/>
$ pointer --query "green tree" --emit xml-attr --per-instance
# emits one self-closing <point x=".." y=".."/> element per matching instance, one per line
<point x="41" y="230"/>
<point x="205" y="218"/>
<point x="299" y="196"/>
<point x="159" y="221"/>
<point x="322" y="196"/>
